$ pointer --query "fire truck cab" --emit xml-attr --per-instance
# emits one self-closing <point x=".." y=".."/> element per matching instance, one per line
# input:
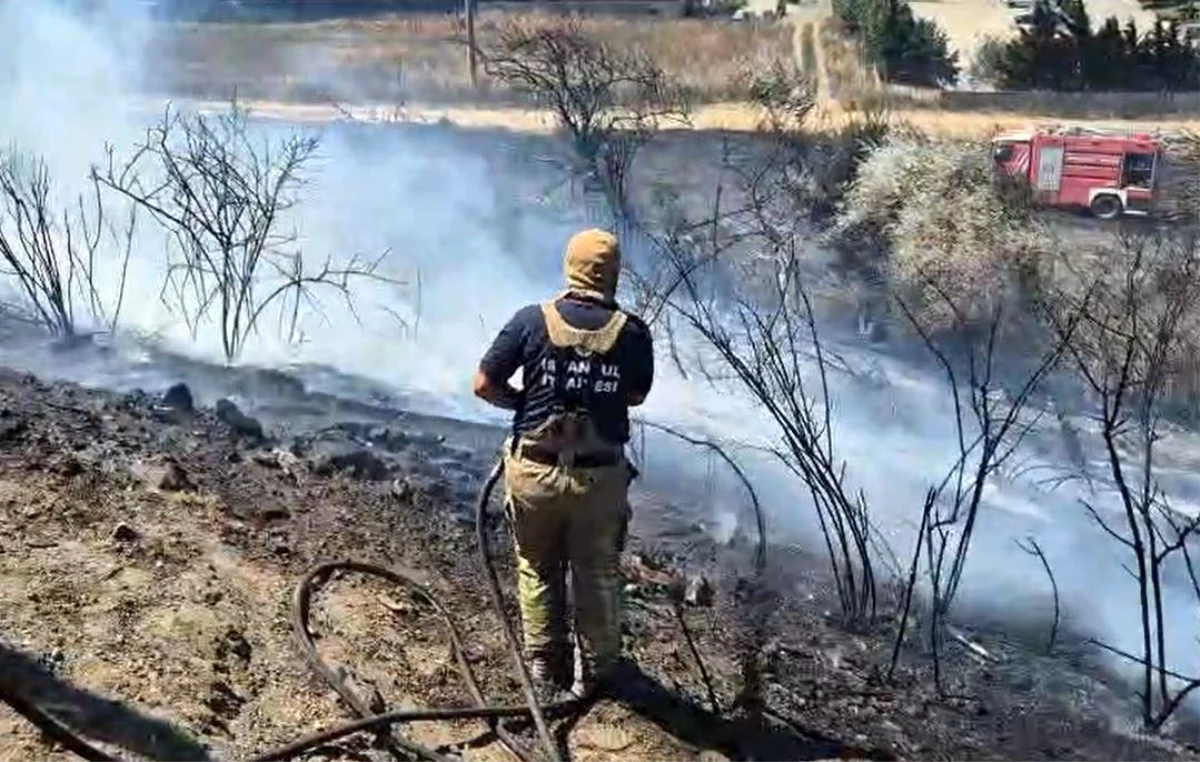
<point x="1106" y="174"/>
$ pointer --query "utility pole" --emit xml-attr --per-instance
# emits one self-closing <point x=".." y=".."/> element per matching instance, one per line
<point x="472" y="64"/>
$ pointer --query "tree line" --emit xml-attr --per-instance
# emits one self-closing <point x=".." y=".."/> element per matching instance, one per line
<point x="1060" y="50"/>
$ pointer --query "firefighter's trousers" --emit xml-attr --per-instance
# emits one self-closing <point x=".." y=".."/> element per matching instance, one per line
<point x="576" y="518"/>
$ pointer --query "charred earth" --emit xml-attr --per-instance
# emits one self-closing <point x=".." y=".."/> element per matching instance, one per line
<point x="151" y="545"/>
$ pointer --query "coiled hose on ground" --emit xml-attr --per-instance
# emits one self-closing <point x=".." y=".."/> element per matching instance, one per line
<point x="400" y="746"/>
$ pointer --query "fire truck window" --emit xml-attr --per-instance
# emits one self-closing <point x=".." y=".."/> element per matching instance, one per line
<point x="1139" y="169"/>
<point x="1003" y="152"/>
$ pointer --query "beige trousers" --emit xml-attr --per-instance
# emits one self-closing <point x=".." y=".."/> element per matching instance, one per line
<point x="576" y="518"/>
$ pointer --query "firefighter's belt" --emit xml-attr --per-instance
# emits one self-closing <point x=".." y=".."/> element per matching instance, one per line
<point x="580" y="460"/>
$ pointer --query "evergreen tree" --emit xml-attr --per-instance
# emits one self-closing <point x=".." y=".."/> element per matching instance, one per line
<point x="1076" y="41"/>
<point x="1134" y="59"/>
<point x="904" y="48"/>
<point x="1059" y="51"/>
<point x="1034" y="59"/>
<point x="1107" y="62"/>
<point x="1180" y="60"/>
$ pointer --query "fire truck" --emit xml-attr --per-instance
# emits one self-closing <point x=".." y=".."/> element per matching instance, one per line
<point x="1108" y="174"/>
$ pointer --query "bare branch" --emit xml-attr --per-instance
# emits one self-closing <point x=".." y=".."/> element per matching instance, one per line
<point x="609" y="102"/>
<point x="1132" y="341"/>
<point x="760" y="556"/>
<point x="1031" y="546"/>
<point x="222" y="194"/>
<point x="54" y="254"/>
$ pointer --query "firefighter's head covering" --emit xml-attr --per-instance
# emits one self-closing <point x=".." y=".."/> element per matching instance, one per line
<point x="593" y="263"/>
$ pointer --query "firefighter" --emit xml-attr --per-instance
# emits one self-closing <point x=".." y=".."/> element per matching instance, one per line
<point x="584" y="363"/>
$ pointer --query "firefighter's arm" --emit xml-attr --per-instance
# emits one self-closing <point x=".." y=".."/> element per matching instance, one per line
<point x="501" y="395"/>
<point x="501" y="361"/>
<point x="642" y="361"/>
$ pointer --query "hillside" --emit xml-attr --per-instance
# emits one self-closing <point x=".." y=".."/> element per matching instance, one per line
<point x="146" y="576"/>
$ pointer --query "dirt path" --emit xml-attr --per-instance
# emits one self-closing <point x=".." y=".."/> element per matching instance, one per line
<point x="810" y="15"/>
<point x="736" y="117"/>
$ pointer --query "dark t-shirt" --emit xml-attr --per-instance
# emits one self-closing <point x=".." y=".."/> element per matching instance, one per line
<point x="523" y="343"/>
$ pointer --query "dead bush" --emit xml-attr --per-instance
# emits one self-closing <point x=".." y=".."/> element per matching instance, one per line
<point x="1133" y="342"/>
<point x="53" y="251"/>
<point x="222" y="191"/>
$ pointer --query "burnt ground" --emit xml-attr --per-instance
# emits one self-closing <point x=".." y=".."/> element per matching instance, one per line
<point x="149" y="554"/>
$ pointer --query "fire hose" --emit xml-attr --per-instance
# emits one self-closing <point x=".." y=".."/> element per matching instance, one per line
<point x="369" y="721"/>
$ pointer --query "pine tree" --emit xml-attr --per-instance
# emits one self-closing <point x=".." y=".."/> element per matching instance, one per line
<point x="1035" y="56"/>
<point x="1107" y="62"/>
<point x="1060" y="52"/>
<point x="904" y="48"/>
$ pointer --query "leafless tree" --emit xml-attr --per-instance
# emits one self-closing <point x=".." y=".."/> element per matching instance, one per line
<point x="756" y="598"/>
<point x="1134" y="347"/>
<point x="609" y="102"/>
<point x="734" y="279"/>
<point x="53" y="253"/>
<point x="222" y="192"/>
<point x="1031" y="546"/>
<point x="775" y="353"/>
<point x="758" y="340"/>
<point x="992" y="416"/>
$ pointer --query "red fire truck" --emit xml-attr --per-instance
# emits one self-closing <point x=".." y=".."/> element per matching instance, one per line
<point x="1107" y="173"/>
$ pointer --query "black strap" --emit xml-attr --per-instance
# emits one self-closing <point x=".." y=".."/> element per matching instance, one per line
<point x="589" y="386"/>
<point x="518" y="415"/>
<point x="562" y="396"/>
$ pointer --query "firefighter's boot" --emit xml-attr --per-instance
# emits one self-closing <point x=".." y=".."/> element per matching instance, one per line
<point x="548" y="671"/>
<point x="592" y="678"/>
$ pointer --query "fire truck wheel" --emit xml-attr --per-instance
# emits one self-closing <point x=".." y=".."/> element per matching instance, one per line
<point x="1106" y="207"/>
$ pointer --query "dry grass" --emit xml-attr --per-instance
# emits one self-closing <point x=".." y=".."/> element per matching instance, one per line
<point x="968" y="125"/>
<point x="417" y="60"/>
<point x="421" y="57"/>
